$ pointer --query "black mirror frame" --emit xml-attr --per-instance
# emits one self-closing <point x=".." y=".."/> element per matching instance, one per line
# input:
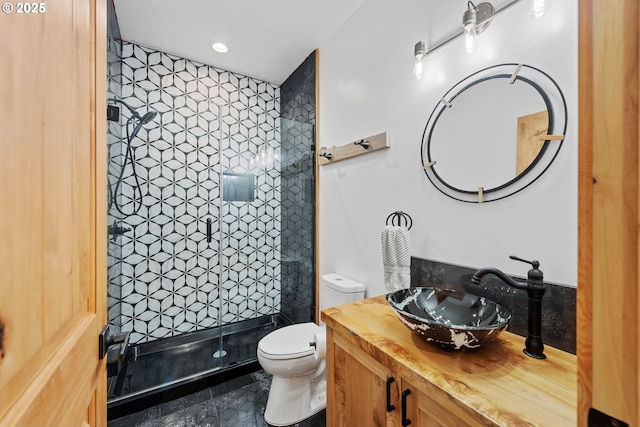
<point x="540" y="164"/>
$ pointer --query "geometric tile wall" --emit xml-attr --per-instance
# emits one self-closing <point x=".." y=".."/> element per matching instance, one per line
<point x="208" y="121"/>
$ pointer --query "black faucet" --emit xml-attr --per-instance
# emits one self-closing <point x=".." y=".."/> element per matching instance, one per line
<point x="535" y="288"/>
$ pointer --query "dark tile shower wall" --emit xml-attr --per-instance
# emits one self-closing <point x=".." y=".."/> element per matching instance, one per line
<point x="558" y="302"/>
<point x="298" y="119"/>
<point x="209" y="121"/>
<point x="298" y="93"/>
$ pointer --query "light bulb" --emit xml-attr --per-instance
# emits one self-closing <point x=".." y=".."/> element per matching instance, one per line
<point x="470" y="38"/>
<point x="418" y="68"/>
<point x="539" y="8"/>
<point x="469" y="25"/>
<point x="419" y="52"/>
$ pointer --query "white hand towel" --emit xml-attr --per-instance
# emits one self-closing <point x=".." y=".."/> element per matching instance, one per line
<point x="396" y="258"/>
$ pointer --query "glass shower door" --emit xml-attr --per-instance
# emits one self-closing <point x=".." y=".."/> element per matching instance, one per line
<point x="250" y="232"/>
<point x="115" y="160"/>
<point x="267" y="252"/>
<point x="169" y="271"/>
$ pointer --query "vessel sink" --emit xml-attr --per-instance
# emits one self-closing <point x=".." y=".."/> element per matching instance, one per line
<point x="452" y="319"/>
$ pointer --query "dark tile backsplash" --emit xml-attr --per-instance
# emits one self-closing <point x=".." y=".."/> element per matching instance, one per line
<point x="558" y="303"/>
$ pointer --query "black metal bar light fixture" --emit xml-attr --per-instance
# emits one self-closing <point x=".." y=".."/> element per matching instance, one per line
<point x="475" y="20"/>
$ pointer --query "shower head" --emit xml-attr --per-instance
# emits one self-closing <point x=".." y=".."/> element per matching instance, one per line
<point x="143" y="121"/>
<point x="150" y="115"/>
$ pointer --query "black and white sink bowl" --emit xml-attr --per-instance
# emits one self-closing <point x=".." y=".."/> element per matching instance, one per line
<point x="452" y="319"/>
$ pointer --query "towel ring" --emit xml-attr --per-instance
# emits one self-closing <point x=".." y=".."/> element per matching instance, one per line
<point x="400" y="219"/>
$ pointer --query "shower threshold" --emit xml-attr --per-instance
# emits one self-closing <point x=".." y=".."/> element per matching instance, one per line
<point x="165" y="369"/>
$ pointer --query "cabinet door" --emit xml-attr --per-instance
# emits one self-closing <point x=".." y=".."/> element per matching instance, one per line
<point x="357" y="390"/>
<point x="409" y="406"/>
<point x="436" y="410"/>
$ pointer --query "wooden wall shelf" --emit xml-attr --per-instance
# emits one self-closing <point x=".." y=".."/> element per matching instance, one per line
<point x="356" y="148"/>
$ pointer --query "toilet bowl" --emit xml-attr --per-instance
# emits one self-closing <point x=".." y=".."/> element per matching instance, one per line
<point x="298" y="385"/>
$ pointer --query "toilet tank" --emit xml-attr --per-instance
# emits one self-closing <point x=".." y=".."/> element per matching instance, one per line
<point x="336" y="290"/>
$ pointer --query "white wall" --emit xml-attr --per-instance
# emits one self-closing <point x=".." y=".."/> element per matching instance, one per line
<point x="366" y="87"/>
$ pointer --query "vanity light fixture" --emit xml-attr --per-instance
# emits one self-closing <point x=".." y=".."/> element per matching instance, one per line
<point x="475" y="20"/>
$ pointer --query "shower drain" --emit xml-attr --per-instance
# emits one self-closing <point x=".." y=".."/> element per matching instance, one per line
<point x="218" y="354"/>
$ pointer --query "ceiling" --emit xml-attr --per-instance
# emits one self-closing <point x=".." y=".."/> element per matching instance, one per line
<point x="266" y="39"/>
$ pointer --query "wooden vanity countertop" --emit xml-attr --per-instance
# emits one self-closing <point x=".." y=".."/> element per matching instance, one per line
<point x="498" y="383"/>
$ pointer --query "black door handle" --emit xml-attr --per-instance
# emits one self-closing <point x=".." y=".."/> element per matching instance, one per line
<point x="208" y="230"/>
<point x="405" y="421"/>
<point x="106" y="339"/>
<point x="390" y="407"/>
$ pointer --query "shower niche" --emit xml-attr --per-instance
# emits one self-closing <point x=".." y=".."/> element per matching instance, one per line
<point x="238" y="187"/>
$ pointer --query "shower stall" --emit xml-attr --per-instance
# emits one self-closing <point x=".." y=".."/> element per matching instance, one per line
<point x="211" y="218"/>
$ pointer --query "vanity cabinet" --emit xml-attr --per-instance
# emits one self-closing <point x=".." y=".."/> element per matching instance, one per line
<point x="379" y="373"/>
<point x="362" y="391"/>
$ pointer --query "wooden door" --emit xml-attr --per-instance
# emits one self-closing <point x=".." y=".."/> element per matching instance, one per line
<point x="52" y="213"/>
<point x="609" y="210"/>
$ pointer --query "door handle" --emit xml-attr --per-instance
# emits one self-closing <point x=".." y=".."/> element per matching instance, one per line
<point x="208" y="230"/>
<point x="405" y="421"/>
<point x="390" y="407"/>
<point x="106" y="339"/>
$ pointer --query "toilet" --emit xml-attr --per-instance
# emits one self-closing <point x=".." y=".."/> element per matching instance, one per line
<point x="298" y="386"/>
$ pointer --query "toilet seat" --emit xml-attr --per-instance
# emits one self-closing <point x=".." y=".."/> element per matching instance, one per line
<point x="289" y="342"/>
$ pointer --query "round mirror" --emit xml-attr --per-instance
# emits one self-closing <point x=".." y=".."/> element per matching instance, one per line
<point x="494" y="133"/>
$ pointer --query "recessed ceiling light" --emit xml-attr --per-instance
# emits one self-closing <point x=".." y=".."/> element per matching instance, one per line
<point x="219" y="47"/>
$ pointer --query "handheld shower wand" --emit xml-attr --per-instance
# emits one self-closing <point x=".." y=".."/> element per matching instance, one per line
<point x="142" y="120"/>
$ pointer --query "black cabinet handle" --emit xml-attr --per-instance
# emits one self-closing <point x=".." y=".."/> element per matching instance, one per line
<point x="405" y="421"/>
<point x="208" y="230"/>
<point x="390" y="407"/>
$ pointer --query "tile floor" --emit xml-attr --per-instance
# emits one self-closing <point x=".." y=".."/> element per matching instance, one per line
<point x="236" y="403"/>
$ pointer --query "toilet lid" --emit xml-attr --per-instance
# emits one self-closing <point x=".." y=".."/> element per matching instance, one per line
<point x="289" y="342"/>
